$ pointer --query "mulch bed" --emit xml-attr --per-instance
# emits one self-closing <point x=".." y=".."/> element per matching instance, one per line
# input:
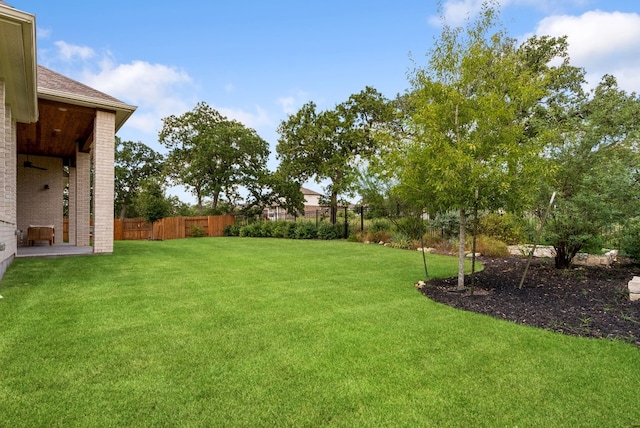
<point x="581" y="301"/>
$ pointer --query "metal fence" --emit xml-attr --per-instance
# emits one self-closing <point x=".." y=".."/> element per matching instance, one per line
<point x="351" y="218"/>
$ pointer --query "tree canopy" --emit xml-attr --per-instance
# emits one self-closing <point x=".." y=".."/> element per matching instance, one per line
<point x="473" y="120"/>
<point x="134" y="163"/>
<point x="151" y="202"/>
<point x="211" y="155"/>
<point x="331" y="144"/>
<point x="595" y="170"/>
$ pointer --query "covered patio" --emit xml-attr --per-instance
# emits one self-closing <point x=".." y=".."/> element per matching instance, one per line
<point x="57" y="146"/>
<point x="66" y="166"/>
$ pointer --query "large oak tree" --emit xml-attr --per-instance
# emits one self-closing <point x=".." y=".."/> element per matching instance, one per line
<point x="210" y="155"/>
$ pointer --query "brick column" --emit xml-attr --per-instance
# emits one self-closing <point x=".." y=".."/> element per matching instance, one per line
<point x="83" y="198"/>
<point x="8" y="174"/>
<point x="4" y="148"/>
<point x="73" y="205"/>
<point x="104" y="176"/>
<point x="8" y="159"/>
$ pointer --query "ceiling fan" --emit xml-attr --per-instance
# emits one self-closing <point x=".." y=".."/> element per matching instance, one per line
<point x="28" y="164"/>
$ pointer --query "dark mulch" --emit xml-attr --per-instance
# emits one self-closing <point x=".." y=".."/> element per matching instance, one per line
<point x="582" y="301"/>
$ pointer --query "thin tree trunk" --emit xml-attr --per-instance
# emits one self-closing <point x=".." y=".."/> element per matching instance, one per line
<point x="214" y="200"/>
<point x="564" y="257"/>
<point x="461" y="250"/>
<point x="123" y="211"/>
<point x="334" y="208"/>
<point x="199" y="198"/>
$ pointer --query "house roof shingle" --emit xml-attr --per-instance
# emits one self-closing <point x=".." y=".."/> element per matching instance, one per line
<point x="55" y="86"/>
<point x="49" y="79"/>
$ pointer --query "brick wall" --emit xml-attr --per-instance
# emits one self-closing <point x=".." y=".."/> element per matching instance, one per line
<point x="7" y="183"/>
<point x="37" y="205"/>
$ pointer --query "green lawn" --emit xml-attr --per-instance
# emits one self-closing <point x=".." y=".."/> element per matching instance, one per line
<point x="266" y="332"/>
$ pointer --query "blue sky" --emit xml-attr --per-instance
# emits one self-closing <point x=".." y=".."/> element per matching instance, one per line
<point x="258" y="61"/>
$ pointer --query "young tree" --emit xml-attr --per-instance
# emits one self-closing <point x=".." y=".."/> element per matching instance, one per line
<point x="377" y="194"/>
<point x="134" y="163"/>
<point x="330" y="145"/>
<point x="210" y="154"/>
<point x="596" y="171"/>
<point x="472" y="121"/>
<point x="151" y="202"/>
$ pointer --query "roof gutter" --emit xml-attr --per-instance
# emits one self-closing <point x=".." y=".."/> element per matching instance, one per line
<point x="18" y="66"/>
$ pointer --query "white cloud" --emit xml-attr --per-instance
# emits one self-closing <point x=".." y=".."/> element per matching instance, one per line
<point x="156" y="89"/>
<point x="291" y="103"/>
<point x="229" y="88"/>
<point x="456" y="12"/>
<point x="259" y="118"/>
<point x="43" y="33"/>
<point x="602" y="43"/>
<point x="140" y="82"/>
<point x="69" y="52"/>
<point x="287" y="104"/>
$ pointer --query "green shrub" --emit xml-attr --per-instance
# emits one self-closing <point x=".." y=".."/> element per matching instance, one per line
<point x="379" y="225"/>
<point x="413" y="227"/>
<point x="266" y="229"/>
<point x="253" y="230"/>
<point x="305" y="230"/>
<point x="290" y="230"/>
<point x="506" y="227"/>
<point x="448" y="222"/>
<point x="280" y="229"/>
<point x="355" y="237"/>
<point x="231" y="230"/>
<point x="401" y="240"/>
<point x="327" y="230"/>
<point x="196" y="231"/>
<point x="491" y="247"/>
<point x="594" y="245"/>
<point x="630" y="243"/>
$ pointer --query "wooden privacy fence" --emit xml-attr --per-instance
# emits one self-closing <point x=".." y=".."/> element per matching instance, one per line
<point x="65" y="228"/>
<point x="132" y="229"/>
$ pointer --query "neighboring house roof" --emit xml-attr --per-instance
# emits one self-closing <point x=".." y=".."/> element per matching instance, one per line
<point x="54" y="86"/>
<point x="306" y="191"/>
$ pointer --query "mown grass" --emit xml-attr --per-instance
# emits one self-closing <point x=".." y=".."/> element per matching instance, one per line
<point x="266" y="332"/>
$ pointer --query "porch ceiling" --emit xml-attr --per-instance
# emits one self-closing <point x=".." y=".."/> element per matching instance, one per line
<point x="59" y="130"/>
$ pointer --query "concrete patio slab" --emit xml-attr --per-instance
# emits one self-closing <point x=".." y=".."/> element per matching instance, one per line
<point x="56" y="250"/>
